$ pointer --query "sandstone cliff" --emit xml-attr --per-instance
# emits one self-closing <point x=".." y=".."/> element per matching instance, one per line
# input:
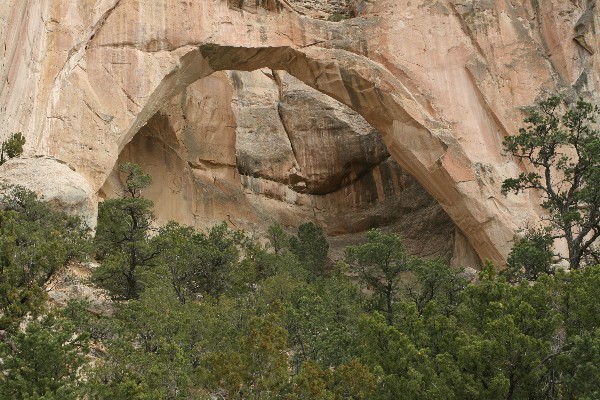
<point x="441" y="82"/>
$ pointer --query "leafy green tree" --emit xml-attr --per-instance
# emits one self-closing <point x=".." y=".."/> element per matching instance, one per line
<point x="577" y="368"/>
<point x="321" y="317"/>
<point x="12" y="147"/>
<point x="434" y="280"/>
<point x="136" y="179"/>
<point x="264" y="356"/>
<point x="278" y="238"/>
<point x="348" y="381"/>
<point x="152" y="349"/>
<point x="311" y="248"/>
<point x="178" y="257"/>
<point x="563" y="152"/>
<point x="507" y="343"/>
<point x="122" y="239"/>
<point x="256" y="368"/>
<point x="380" y="264"/>
<point x="576" y="373"/>
<point x="43" y="361"/>
<point x="353" y="380"/>
<point x="501" y="341"/>
<point x="218" y="258"/>
<point x="199" y="263"/>
<point x="40" y="357"/>
<point x="530" y="256"/>
<point x="313" y="382"/>
<point x="35" y="242"/>
<point x="402" y="369"/>
<point x="257" y="263"/>
<point x="225" y="375"/>
<point x="290" y="334"/>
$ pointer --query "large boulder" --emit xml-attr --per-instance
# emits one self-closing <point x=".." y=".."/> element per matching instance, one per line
<point x="54" y="182"/>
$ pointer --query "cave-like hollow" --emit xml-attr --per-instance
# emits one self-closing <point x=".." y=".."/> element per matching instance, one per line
<point x="261" y="147"/>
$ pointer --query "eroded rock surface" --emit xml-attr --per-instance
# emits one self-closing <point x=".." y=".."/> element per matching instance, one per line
<point x="323" y="9"/>
<point x="55" y="182"/>
<point x="442" y="81"/>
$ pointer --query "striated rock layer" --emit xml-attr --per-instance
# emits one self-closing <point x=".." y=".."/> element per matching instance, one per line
<point x="441" y="81"/>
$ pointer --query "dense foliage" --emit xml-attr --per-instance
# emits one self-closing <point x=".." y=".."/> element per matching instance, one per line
<point x="39" y="360"/>
<point x="283" y="331"/>
<point x="123" y="237"/>
<point x="217" y="314"/>
<point x="35" y="242"/>
<point x="43" y="360"/>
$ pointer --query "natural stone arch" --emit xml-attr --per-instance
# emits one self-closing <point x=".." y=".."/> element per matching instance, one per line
<point x="261" y="147"/>
<point x="429" y="153"/>
<point x="443" y="91"/>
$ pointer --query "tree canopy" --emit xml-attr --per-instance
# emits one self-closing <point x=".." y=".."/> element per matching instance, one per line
<point x="40" y="350"/>
<point x="218" y="314"/>
<point x="36" y="241"/>
<point x="123" y="237"/>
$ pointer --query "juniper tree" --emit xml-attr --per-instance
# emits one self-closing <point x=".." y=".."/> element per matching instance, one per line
<point x="122" y="240"/>
<point x="562" y="152"/>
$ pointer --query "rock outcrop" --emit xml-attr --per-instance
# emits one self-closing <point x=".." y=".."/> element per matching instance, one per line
<point x="54" y="182"/>
<point x="441" y="81"/>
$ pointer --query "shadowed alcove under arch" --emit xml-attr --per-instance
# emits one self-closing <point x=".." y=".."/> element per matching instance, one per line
<point x="191" y="122"/>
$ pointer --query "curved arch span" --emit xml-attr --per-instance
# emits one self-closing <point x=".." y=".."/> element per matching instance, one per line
<point x="421" y="147"/>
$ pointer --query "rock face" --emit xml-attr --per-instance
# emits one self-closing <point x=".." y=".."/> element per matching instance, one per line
<point x="441" y="81"/>
<point x="322" y="9"/>
<point x="54" y="182"/>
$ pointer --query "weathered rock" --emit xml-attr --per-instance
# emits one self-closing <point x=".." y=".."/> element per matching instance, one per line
<point x="188" y="148"/>
<point x="290" y="133"/>
<point x="333" y="145"/>
<point x="54" y="182"/>
<point x="442" y="81"/>
<point x="322" y="9"/>
<point x="74" y="283"/>
<point x="263" y="148"/>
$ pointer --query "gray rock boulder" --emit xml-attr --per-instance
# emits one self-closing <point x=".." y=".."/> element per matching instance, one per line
<point x="54" y="182"/>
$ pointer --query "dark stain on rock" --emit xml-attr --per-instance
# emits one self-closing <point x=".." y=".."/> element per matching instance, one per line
<point x="238" y="85"/>
<point x="263" y="34"/>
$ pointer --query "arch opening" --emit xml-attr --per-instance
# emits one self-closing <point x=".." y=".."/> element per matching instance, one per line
<point x="419" y="144"/>
<point x="254" y="148"/>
